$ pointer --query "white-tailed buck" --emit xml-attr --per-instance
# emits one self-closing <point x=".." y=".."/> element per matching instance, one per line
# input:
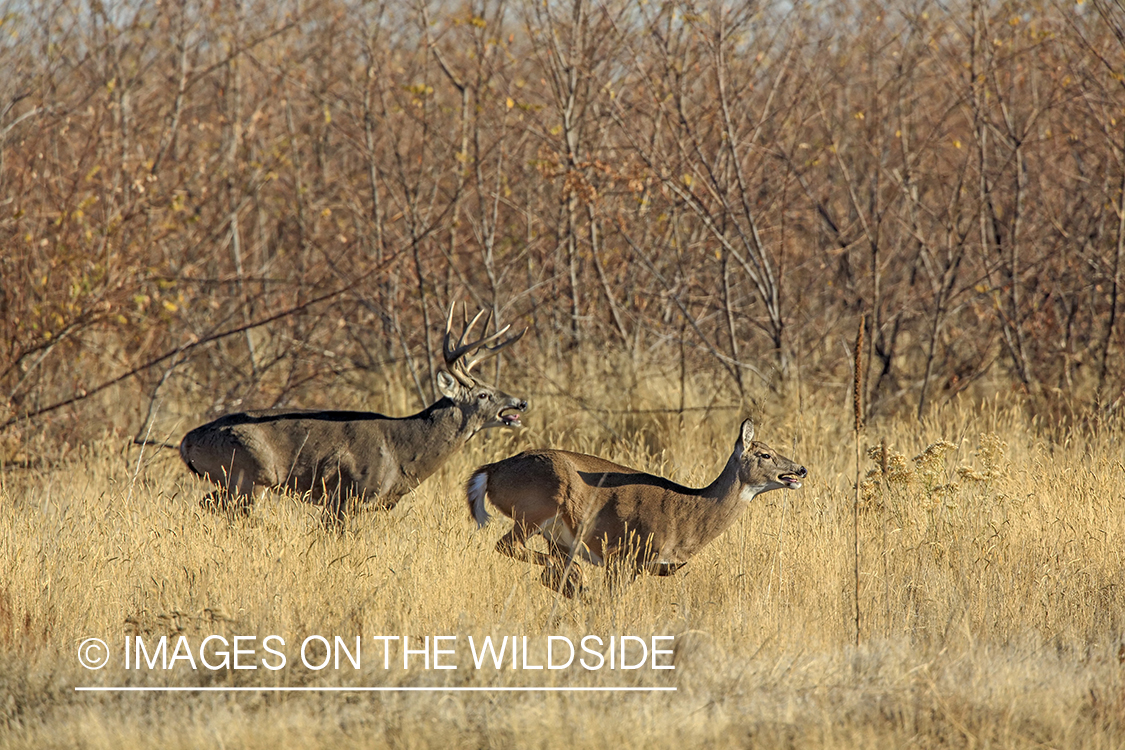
<point x="589" y="508"/>
<point x="339" y="458"/>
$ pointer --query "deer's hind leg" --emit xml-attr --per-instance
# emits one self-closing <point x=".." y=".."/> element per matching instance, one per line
<point x="562" y="573"/>
<point x="233" y="495"/>
<point x="557" y="574"/>
<point x="514" y="545"/>
<point x="227" y="503"/>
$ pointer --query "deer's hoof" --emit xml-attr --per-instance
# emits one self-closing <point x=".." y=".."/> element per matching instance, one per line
<point x="556" y="577"/>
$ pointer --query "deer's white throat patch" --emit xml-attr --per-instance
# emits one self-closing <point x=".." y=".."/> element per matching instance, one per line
<point x="748" y="491"/>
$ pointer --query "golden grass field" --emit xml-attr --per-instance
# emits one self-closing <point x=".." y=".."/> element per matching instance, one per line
<point x="990" y="594"/>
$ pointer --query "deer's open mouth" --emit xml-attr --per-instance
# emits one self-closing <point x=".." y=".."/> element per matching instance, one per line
<point x="510" y="417"/>
<point x="792" y="481"/>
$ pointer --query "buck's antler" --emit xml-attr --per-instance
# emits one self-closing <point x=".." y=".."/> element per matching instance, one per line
<point x="461" y="366"/>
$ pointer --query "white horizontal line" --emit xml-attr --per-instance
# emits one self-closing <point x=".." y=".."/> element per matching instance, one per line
<point x="189" y="689"/>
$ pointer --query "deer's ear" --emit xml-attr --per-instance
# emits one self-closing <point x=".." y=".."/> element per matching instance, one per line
<point x="448" y="385"/>
<point x="747" y="433"/>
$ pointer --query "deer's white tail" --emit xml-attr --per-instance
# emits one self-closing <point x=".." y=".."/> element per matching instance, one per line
<point x="477" y="488"/>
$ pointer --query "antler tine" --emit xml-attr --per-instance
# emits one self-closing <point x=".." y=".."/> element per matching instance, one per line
<point x="453" y="353"/>
<point x="449" y="320"/>
<point x="468" y="329"/>
<point x="485" y="347"/>
<point x="491" y="351"/>
<point x="447" y="350"/>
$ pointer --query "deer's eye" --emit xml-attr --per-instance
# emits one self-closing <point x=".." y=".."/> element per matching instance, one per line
<point x="482" y="396"/>
<point x="765" y="456"/>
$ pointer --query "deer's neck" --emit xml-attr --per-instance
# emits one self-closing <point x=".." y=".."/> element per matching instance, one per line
<point x="702" y="514"/>
<point x="430" y="437"/>
<point x="729" y="490"/>
<point x="726" y="490"/>
<point x="716" y="507"/>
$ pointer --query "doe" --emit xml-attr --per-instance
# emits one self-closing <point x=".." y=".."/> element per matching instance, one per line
<point x="589" y="508"/>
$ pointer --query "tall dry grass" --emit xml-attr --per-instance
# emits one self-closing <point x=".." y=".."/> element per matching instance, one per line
<point x="990" y="590"/>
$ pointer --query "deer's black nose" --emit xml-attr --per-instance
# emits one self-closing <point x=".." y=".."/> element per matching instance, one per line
<point x="802" y="472"/>
<point x="522" y="406"/>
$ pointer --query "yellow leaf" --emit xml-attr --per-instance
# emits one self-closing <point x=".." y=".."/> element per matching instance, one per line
<point x="510" y="103"/>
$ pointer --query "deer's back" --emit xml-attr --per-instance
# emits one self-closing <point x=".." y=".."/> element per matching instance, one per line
<point x="293" y="448"/>
<point x="609" y="498"/>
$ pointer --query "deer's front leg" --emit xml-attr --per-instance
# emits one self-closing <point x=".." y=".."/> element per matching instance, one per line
<point x="666" y="568"/>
